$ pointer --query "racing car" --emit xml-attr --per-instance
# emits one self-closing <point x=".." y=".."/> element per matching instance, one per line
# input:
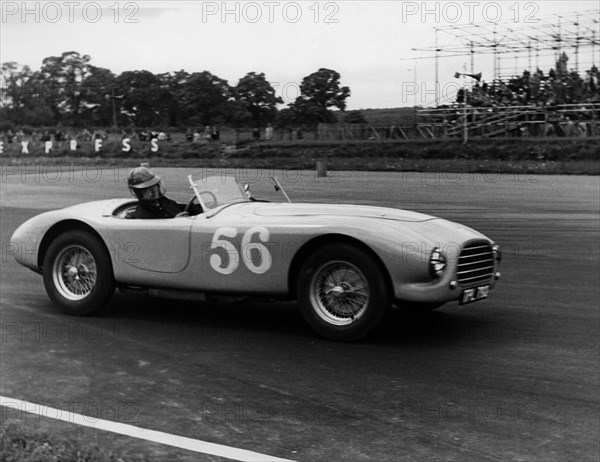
<point x="345" y="265"/>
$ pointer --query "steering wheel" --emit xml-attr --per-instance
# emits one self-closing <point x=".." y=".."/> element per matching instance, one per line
<point x="192" y="203"/>
<point x="212" y="199"/>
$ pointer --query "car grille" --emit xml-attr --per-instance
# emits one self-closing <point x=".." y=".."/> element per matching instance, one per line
<point x="476" y="263"/>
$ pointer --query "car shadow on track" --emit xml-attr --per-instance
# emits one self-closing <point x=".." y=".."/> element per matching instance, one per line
<point x="447" y="326"/>
<point x="278" y="319"/>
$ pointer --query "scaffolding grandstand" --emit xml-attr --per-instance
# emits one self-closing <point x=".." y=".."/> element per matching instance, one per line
<point x="544" y="79"/>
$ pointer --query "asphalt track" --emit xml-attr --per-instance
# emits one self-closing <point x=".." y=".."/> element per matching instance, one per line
<point x="515" y="377"/>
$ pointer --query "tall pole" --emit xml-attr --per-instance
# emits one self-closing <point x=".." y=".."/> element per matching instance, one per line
<point x="437" y="75"/>
<point x="465" y="128"/>
<point x="114" y="108"/>
<point x="558" y="40"/>
<point x="577" y="46"/>
<point x="472" y="58"/>
<point x="593" y="48"/>
<point x="495" y="45"/>
<point x="499" y="70"/>
<point x="415" y="78"/>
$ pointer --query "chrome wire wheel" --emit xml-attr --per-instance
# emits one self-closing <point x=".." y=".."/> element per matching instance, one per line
<point x="339" y="293"/>
<point x="74" y="272"/>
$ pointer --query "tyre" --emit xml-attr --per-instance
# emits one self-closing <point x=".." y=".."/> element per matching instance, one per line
<point x="78" y="274"/>
<point x="342" y="292"/>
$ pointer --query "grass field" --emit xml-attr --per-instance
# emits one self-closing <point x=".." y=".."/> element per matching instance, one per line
<point x="512" y="155"/>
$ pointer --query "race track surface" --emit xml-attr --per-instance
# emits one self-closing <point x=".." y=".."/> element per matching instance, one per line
<point x="514" y="377"/>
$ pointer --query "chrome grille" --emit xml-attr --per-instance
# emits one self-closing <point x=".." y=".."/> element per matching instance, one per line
<point x="476" y="263"/>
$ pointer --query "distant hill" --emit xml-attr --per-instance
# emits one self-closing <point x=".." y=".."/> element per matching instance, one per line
<point x="388" y="116"/>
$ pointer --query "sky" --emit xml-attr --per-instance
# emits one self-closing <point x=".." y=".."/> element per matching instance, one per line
<point x="370" y="43"/>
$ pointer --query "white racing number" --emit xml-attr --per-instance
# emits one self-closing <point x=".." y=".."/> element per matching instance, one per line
<point x="247" y="250"/>
<point x="215" y="259"/>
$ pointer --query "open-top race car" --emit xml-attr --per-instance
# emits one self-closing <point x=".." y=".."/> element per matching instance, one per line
<point x="345" y="264"/>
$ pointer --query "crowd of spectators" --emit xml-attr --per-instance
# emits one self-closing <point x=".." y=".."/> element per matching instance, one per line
<point x="558" y="87"/>
<point x="205" y="135"/>
<point x="55" y="135"/>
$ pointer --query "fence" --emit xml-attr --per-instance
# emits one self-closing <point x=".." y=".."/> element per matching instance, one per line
<point x="569" y="120"/>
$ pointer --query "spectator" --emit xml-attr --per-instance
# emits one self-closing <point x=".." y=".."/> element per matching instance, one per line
<point x="197" y="137"/>
<point x="570" y="127"/>
<point x="269" y="132"/>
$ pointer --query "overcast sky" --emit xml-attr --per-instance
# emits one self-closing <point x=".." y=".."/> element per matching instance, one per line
<point x="367" y="42"/>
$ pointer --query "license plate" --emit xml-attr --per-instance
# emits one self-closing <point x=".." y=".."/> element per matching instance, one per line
<point x="474" y="294"/>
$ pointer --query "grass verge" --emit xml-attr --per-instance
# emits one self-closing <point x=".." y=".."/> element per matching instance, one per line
<point x="19" y="443"/>
<point x="580" y="156"/>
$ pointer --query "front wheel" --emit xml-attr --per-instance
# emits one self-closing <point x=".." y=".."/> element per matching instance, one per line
<point x="78" y="274"/>
<point x="342" y="292"/>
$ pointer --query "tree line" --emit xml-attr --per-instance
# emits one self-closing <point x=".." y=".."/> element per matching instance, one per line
<point x="70" y="91"/>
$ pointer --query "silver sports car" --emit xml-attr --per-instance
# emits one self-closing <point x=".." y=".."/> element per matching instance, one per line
<point x="344" y="264"/>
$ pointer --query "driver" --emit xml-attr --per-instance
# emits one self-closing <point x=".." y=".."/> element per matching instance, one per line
<point x="144" y="184"/>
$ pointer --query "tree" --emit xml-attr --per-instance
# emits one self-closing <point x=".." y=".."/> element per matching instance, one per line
<point x="23" y="98"/>
<point x="175" y="82"/>
<point x="145" y="100"/>
<point x="205" y="99"/>
<point x="238" y="115"/>
<point x="322" y="88"/>
<point x="100" y="99"/>
<point x="287" y="117"/>
<point x="14" y="81"/>
<point x="318" y="92"/>
<point x="63" y="76"/>
<point x="355" y="117"/>
<point x="308" y="112"/>
<point x="258" y="96"/>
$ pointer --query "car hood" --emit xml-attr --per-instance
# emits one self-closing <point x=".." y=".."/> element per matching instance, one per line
<point x="340" y="210"/>
<point x="383" y="222"/>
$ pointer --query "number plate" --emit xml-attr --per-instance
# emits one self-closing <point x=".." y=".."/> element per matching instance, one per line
<point x="474" y="294"/>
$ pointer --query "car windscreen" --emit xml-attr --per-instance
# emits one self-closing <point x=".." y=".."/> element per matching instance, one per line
<point x="216" y="191"/>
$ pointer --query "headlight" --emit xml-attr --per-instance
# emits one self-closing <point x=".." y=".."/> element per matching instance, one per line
<point x="497" y="253"/>
<point x="437" y="263"/>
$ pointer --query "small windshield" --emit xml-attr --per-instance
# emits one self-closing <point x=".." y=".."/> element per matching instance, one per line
<point x="215" y="191"/>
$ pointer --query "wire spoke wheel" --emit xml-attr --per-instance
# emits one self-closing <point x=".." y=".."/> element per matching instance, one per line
<point x="343" y="291"/>
<point x="339" y="292"/>
<point x="75" y="272"/>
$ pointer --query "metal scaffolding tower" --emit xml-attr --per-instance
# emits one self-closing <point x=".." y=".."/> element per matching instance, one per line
<point x="575" y="34"/>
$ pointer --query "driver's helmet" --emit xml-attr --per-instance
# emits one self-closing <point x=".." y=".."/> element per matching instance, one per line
<point x="144" y="184"/>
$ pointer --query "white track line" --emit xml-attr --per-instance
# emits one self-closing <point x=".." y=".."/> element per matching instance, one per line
<point x="182" y="442"/>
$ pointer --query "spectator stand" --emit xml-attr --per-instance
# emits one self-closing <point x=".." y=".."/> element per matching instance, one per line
<point x="509" y="121"/>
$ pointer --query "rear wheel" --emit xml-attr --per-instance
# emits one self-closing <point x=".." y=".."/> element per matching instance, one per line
<point x="342" y="292"/>
<point x="78" y="273"/>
